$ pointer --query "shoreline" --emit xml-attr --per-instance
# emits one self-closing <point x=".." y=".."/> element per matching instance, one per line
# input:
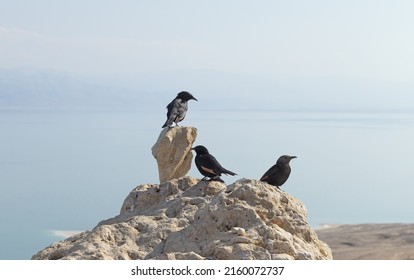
<point x="64" y="233"/>
<point x="369" y="241"/>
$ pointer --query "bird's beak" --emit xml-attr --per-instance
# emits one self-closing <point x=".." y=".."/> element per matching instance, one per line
<point x="292" y="157"/>
<point x="194" y="99"/>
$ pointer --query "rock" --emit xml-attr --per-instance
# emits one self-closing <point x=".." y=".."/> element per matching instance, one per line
<point x="191" y="219"/>
<point x="173" y="152"/>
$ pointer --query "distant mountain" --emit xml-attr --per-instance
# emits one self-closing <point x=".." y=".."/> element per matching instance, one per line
<point x="215" y="90"/>
<point x="39" y="88"/>
<point x="35" y="88"/>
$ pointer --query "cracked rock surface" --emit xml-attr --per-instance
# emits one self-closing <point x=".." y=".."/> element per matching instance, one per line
<point x="191" y="219"/>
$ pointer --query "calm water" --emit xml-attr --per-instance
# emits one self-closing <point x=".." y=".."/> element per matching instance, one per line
<point x="69" y="170"/>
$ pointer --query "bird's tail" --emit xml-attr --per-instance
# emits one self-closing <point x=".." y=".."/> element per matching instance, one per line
<point x="228" y="172"/>
<point x="167" y="123"/>
<point x="263" y="178"/>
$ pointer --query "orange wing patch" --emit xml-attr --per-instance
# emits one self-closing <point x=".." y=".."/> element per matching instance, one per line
<point x="208" y="170"/>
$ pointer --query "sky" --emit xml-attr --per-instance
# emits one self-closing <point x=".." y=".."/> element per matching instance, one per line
<point x="350" y="40"/>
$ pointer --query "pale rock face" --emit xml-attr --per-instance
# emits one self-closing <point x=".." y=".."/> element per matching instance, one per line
<point x="191" y="219"/>
<point x="173" y="152"/>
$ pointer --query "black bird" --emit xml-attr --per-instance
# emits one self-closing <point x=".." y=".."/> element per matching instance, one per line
<point x="177" y="108"/>
<point x="208" y="165"/>
<point x="278" y="173"/>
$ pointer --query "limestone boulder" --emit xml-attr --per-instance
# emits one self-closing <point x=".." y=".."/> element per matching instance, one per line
<point x="173" y="152"/>
<point x="191" y="219"/>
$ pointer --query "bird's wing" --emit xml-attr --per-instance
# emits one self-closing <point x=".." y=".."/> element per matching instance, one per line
<point x="172" y="112"/>
<point x="172" y="108"/>
<point x="209" y="164"/>
<point x="269" y="172"/>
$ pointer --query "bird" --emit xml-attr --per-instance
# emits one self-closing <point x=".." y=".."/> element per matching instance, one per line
<point x="177" y="108"/>
<point x="208" y="165"/>
<point x="278" y="173"/>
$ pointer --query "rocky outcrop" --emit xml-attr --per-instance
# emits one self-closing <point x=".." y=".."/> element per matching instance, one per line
<point x="191" y="219"/>
<point x="173" y="152"/>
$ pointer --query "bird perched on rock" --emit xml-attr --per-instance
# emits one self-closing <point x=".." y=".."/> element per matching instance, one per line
<point x="177" y="108"/>
<point x="278" y="173"/>
<point x="208" y="165"/>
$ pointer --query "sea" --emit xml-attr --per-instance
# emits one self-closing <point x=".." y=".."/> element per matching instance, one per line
<point x="65" y="170"/>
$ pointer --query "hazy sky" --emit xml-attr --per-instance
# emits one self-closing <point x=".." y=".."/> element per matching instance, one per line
<point x="353" y="46"/>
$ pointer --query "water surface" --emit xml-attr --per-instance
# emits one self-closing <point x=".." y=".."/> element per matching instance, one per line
<point x="68" y="170"/>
